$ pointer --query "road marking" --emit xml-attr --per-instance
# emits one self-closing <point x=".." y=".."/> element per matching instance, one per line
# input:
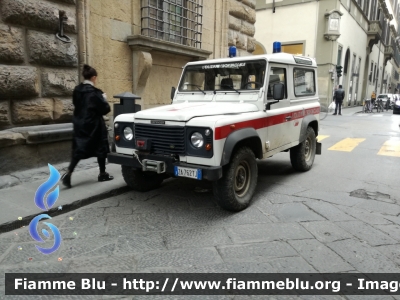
<point x="362" y="115"/>
<point x="377" y="115"/>
<point x="390" y="148"/>
<point x="347" y="145"/>
<point x="322" y="137"/>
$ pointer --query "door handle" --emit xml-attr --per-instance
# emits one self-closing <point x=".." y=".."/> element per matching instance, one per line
<point x="288" y="118"/>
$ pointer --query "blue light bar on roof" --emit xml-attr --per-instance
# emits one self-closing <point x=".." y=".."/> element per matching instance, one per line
<point x="277" y="48"/>
<point x="232" y="51"/>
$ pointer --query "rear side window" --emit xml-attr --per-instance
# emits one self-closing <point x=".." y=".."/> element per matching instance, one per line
<point x="304" y="82"/>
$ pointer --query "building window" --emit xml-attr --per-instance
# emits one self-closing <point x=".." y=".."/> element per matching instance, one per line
<point x="366" y="7"/>
<point x="370" y="72"/>
<point x="177" y="21"/>
<point x="296" y="49"/>
<point x="372" y="16"/>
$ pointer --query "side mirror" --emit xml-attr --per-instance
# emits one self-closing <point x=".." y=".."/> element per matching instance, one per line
<point x="173" y="90"/>
<point x="279" y="91"/>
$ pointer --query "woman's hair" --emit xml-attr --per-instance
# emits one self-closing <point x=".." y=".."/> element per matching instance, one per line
<point x="88" y="72"/>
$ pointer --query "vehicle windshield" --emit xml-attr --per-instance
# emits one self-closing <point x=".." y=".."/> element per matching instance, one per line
<point x="244" y="75"/>
<point x="382" y="96"/>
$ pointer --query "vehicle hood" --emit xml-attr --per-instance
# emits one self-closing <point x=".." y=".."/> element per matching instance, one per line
<point x="187" y="111"/>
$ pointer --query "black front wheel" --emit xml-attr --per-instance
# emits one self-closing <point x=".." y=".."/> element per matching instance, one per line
<point x="236" y="187"/>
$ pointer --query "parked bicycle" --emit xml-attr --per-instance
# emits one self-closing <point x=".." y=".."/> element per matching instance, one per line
<point x="367" y="107"/>
<point x="379" y="105"/>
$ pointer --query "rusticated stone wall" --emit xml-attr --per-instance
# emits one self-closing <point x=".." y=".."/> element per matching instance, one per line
<point x="38" y="72"/>
<point x="242" y="17"/>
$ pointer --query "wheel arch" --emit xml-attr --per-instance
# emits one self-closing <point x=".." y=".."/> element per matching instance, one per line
<point x="244" y="137"/>
<point x="308" y="121"/>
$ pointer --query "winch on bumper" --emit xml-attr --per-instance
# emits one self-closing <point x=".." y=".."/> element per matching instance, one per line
<point x="165" y="165"/>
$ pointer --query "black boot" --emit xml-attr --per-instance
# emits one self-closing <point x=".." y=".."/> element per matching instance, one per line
<point x="105" y="177"/>
<point x="66" y="180"/>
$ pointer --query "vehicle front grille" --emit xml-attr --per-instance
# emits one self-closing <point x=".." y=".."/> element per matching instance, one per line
<point x="164" y="139"/>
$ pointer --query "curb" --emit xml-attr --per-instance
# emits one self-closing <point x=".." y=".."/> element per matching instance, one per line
<point x="9" y="226"/>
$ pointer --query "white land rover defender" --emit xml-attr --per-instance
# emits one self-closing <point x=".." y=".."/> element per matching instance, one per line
<point x="225" y="114"/>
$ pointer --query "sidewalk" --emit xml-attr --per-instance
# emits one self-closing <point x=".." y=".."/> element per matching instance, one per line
<point x="17" y="202"/>
<point x="349" y="111"/>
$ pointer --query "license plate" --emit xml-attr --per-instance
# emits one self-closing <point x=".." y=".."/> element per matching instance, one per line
<point x="189" y="173"/>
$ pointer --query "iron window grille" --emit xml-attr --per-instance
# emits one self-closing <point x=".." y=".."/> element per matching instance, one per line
<point x="177" y="21"/>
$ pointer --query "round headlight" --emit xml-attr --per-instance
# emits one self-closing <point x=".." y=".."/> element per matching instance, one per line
<point x="197" y="140"/>
<point x="128" y="133"/>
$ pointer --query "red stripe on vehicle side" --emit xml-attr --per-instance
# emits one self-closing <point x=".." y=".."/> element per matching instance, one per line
<point x="223" y="131"/>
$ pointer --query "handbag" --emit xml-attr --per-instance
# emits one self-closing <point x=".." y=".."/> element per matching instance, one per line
<point x="332" y="105"/>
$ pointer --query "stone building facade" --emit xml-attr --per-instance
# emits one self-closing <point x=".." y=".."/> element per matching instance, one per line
<point x="139" y="46"/>
<point x="361" y="36"/>
<point x="38" y="72"/>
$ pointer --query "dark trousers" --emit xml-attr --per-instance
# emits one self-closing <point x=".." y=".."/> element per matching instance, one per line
<point x="338" y="105"/>
<point x="100" y="161"/>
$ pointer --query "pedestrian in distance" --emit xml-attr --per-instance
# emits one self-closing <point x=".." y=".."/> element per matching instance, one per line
<point x="90" y="138"/>
<point x="373" y="99"/>
<point x="339" y="96"/>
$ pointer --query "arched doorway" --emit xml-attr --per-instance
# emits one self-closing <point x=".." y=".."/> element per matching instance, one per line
<point x="346" y="76"/>
<point x="260" y="49"/>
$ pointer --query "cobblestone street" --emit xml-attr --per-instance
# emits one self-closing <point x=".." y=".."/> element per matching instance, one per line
<point x="337" y="224"/>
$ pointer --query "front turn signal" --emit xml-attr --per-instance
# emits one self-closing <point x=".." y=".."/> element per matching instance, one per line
<point x="208" y="147"/>
<point x="117" y="137"/>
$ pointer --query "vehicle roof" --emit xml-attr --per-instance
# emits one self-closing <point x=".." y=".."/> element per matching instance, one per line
<point x="276" y="57"/>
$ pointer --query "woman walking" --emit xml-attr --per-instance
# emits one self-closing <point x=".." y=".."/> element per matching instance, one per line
<point x="90" y="132"/>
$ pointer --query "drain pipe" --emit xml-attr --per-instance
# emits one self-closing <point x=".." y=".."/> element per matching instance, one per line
<point x="87" y="35"/>
<point x="82" y="44"/>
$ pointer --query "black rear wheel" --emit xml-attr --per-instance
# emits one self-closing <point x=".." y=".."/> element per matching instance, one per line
<point x="302" y="156"/>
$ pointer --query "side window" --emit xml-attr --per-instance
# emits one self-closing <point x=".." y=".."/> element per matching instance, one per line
<point x="304" y="82"/>
<point x="276" y="75"/>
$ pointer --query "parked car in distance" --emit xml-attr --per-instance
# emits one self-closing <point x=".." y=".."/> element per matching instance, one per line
<point x="384" y="97"/>
<point x="396" y="107"/>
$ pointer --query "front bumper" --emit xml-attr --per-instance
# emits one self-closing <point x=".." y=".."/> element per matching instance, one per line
<point x="208" y="173"/>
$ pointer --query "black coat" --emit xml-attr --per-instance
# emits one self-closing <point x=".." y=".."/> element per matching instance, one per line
<point x="339" y="95"/>
<point x="90" y="137"/>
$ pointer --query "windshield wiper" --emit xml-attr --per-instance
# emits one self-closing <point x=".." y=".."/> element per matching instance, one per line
<point x="230" y="87"/>
<point x="198" y="87"/>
